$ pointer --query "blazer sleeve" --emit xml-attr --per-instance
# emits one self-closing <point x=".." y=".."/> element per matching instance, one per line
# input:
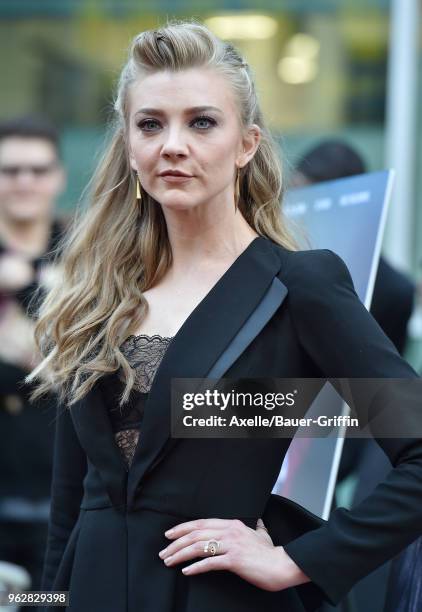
<point x="344" y="340"/>
<point x="69" y="469"/>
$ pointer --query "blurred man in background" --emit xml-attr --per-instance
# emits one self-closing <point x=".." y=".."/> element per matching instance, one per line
<point x="31" y="179"/>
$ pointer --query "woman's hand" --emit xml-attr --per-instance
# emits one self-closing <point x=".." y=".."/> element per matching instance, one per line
<point x="247" y="552"/>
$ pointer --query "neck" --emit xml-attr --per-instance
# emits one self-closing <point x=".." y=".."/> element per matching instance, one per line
<point x="27" y="236"/>
<point x="214" y="245"/>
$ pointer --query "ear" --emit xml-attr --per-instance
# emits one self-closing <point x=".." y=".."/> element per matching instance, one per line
<point x="250" y="143"/>
<point x="132" y="159"/>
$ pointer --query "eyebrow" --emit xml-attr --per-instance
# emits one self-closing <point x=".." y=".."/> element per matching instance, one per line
<point x="193" y="109"/>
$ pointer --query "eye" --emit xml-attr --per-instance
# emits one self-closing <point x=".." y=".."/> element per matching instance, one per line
<point x="149" y="125"/>
<point x="202" y="118"/>
<point x="143" y="124"/>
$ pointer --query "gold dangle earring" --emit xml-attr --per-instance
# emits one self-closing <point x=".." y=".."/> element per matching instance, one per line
<point x="138" y="189"/>
<point x="237" y="190"/>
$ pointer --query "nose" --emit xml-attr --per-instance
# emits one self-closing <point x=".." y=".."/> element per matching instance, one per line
<point x="175" y="144"/>
<point x="25" y="178"/>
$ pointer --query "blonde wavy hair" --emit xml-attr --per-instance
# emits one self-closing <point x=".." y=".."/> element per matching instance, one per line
<point x="114" y="249"/>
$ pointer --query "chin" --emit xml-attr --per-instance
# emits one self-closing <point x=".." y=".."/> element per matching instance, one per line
<point x="26" y="213"/>
<point x="23" y="212"/>
<point x="176" y="203"/>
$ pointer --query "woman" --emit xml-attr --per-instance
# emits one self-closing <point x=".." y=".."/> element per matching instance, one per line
<point x="182" y="261"/>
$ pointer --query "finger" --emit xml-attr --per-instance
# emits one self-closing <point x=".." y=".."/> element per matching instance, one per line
<point x="219" y="562"/>
<point x="260" y="524"/>
<point x="191" y="552"/>
<point x="182" y="528"/>
<point x="262" y="530"/>
<point x="190" y="538"/>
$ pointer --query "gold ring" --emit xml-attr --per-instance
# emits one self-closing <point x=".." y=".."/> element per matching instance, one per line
<point x="212" y="547"/>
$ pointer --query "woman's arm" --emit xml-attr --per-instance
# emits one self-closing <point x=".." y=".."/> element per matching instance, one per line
<point x="344" y="340"/>
<point x="69" y="469"/>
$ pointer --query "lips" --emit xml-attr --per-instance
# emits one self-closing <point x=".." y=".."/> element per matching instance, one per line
<point x="175" y="179"/>
<point x="174" y="173"/>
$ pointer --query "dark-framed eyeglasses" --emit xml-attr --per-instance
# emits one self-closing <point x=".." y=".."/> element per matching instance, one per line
<point x="37" y="170"/>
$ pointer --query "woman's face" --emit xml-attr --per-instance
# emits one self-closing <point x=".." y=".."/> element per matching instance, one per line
<point x="187" y="121"/>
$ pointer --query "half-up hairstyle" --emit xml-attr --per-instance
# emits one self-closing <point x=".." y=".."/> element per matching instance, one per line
<point x="114" y="249"/>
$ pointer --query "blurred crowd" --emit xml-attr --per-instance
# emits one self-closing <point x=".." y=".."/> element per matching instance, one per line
<point x="32" y="177"/>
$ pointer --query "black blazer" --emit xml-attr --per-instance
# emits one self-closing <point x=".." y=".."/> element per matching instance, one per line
<point x="274" y="313"/>
<point x="392" y="302"/>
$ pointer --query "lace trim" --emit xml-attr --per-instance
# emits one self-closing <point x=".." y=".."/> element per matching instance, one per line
<point x="144" y="354"/>
<point x="127" y="440"/>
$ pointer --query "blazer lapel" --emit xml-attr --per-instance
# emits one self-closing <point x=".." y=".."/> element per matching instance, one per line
<point x="95" y="433"/>
<point x="270" y="302"/>
<point x="213" y="336"/>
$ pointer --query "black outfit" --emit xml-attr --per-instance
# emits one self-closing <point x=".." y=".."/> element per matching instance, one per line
<point x="392" y="306"/>
<point x="26" y="451"/>
<point x="404" y="592"/>
<point x="392" y="303"/>
<point x="25" y="295"/>
<point x="274" y="313"/>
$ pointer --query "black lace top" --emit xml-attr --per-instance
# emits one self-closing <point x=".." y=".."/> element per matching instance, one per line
<point x="144" y="353"/>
